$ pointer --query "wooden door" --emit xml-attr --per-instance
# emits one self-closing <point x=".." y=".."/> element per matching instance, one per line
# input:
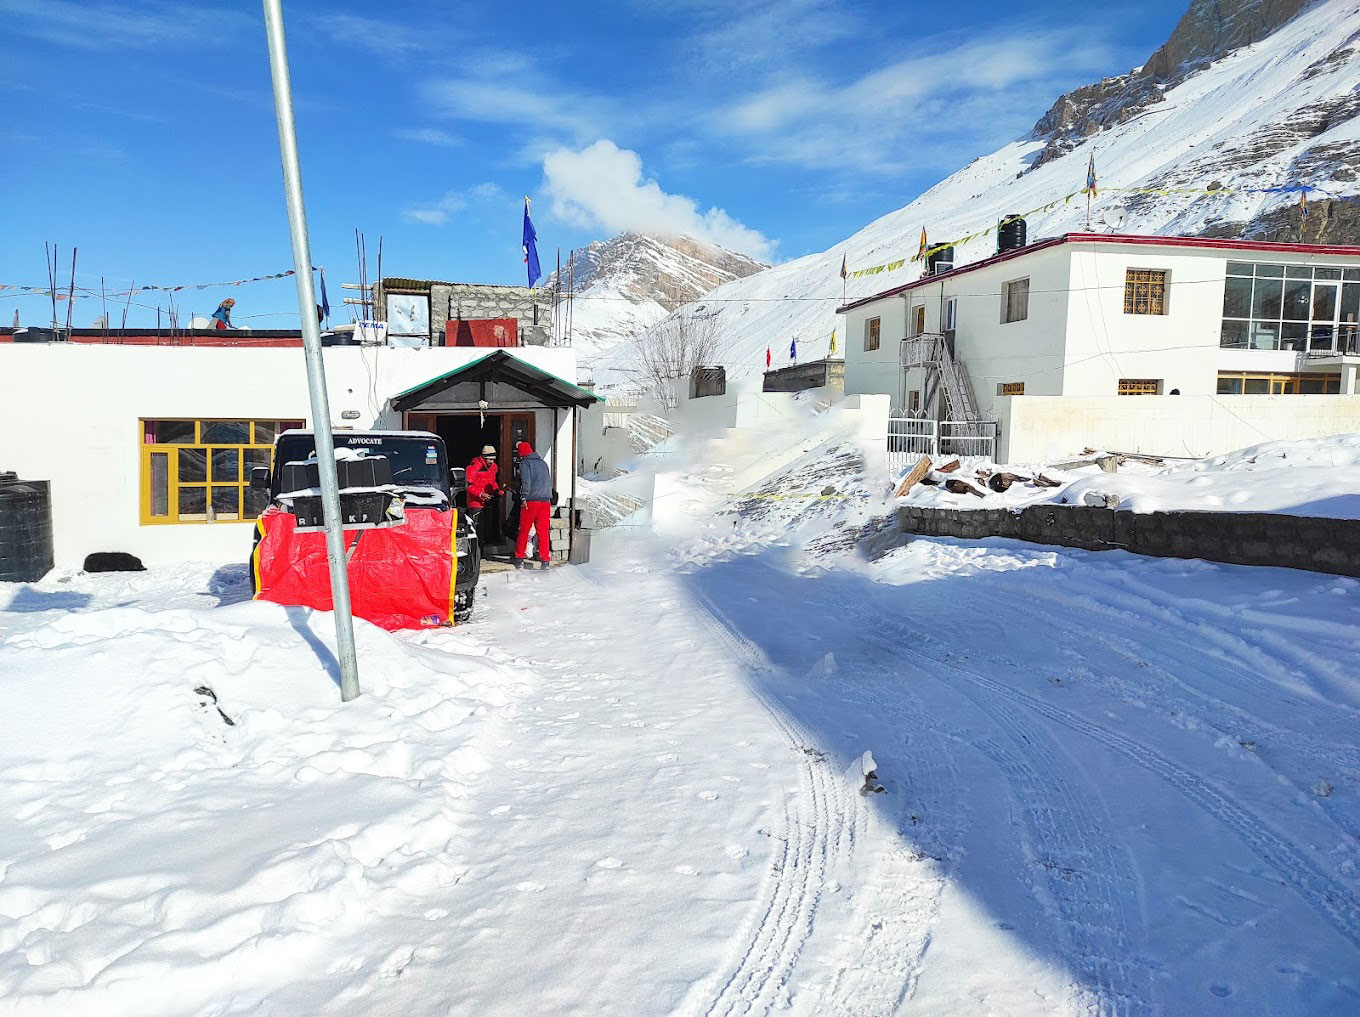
<point x="515" y="428"/>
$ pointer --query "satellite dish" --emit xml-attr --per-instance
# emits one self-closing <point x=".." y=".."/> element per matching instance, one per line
<point x="200" y="323"/>
<point x="1111" y="220"/>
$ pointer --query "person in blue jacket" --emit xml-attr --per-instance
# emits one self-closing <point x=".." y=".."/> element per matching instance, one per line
<point x="536" y="498"/>
<point x="222" y="316"/>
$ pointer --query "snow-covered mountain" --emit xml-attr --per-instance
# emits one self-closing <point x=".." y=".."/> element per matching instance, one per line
<point x="626" y="284"/>
<point x="1245" y="93"/>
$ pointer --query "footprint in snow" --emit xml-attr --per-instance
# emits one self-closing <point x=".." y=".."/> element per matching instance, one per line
<point x="609" y="863"/>
<point x="499" y="810"/>
<point x="709" y="796"/>
<point x="735" y="851"/>
<point x="529" y="886"/>
<point x="686" y="870"/>
<point x="1220" y="990"/>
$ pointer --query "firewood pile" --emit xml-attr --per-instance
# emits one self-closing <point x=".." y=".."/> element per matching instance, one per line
<point x="980" y="484"/>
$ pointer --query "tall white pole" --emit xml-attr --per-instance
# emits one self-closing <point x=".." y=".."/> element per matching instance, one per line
<point x="311" y="342"/>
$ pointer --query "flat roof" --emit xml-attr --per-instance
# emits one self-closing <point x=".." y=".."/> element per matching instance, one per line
<point x="1135" y="240"/>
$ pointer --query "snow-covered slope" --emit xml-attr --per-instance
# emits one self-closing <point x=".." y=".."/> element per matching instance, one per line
<point x="629" y="283"/>
<point x="1231" y="113"/>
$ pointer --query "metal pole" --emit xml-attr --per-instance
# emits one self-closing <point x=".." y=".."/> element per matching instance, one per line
<point x="311" y="342"/>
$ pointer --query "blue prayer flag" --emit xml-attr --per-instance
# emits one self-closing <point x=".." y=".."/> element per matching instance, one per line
<point x="531" y="247"/>
<point x="793" y="349"/>
<point x="325" y="303"/>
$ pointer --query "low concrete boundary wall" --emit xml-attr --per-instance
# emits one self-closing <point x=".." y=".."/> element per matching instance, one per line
<point x="1237" y="538"/>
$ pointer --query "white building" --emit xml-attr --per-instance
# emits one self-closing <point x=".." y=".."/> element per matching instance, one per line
<point x="149" y="447"/>
<point x="1050" y="340"/>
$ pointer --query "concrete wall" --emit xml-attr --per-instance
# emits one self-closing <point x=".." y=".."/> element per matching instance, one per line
<point x="1238" y="538"/>
<point x="70" y="414"/>
<point x="828" y="374"/>
<point x="1042" y="428"/>
<point x="1180" y="348"/>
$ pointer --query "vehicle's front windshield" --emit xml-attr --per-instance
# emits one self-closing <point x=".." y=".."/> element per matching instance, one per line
<point x="417" y="463"/>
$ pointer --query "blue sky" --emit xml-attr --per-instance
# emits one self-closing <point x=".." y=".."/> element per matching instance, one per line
<point x="143" y="132"/>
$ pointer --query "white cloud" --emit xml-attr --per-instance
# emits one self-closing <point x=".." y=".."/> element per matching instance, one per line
<point x="602" y="186"/>
<point x="940" y="107"/>
<point x="104" y="25"/>
<point x="386" y="38"/>
<point x="438" y="213"/>
<point x="428" y="136"/>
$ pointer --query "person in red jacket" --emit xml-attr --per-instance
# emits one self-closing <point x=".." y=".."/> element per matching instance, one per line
<point x="536" y="497"/>
<point x="482" y="484"/>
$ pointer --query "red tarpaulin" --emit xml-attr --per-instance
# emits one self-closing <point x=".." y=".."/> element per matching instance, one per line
<point x="481" y="332"/>
<point x="400" y="577"/>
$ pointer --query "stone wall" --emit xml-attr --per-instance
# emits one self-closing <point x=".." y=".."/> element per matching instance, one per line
<point x="1237" y="538"/>
<point x="800" y="377"/>
<point x="478" y="301"/>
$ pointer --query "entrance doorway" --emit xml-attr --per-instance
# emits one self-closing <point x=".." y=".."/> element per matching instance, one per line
<point x="464" y="434"/>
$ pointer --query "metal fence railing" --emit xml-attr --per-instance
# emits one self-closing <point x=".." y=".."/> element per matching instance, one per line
<point x="910" y="438"/>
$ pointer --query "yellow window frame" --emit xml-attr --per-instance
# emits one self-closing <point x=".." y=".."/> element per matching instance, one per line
<point x="173" y="485"/>
<point x="1012" y="388"/>
<point x="1145" y="291"/>
<point x="1140" y="386"/>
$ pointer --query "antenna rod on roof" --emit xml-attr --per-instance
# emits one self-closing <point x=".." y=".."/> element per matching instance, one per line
<point x="128" y="304"/>
<point x="377" y="283"/>
<point x="71" y="296"/>
<point x="50" y="257"/>
<point x="311" y="341"/>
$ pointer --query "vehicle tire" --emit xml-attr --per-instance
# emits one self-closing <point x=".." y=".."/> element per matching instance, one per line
<point x="469" y="574"/>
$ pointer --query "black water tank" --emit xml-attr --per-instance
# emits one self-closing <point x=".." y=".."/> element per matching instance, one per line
<point x="25" y="529"/>
<point x="40" y="335"/>
<point x="942" y="260"/>
<point x="1011" y="234"/>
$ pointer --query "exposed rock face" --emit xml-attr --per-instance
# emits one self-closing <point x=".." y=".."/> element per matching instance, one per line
<point x="669" y="270"/>
<point x="1209" y="29"/>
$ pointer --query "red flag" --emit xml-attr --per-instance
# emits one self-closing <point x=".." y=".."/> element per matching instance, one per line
<point x="767" y="358"/>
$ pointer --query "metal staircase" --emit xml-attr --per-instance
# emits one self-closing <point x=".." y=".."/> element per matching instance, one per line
<point x="934" y="352"/>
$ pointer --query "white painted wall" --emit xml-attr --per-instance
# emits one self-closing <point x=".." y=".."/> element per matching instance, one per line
<point x="875" y="371"/>
<point x="1036" y="429"/>
<point x="69" y="413"/>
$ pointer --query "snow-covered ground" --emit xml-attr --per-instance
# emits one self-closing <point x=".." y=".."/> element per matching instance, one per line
<point x="1112" y="785"/>
<point x="1314" y="477"/>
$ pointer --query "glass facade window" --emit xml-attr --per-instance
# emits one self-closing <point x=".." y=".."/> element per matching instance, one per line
<point x="1277" y="383"/>
<point x="1015" y="301"/>
<point x="198" y="471"/>
<point x="1302" y="308"/>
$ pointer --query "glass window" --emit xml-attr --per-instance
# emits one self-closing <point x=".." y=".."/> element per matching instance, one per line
<point x="193" y="501"/>
<point x="199" y="470"/>
<point x="160" y="484"/>
<point x="193" y="465"/>
<point x="1267" y="299"/>
<point x="1293" y="335"/>
<point x="1296" y="300"/>
<point x="1351" y="274"/>
<point x="1270" y="271"/>
<point x="871" y="334"/>
<point x="1237" y="298"/>
<point x="168" y="432"/>
<point x="1015" y="301"/>
<point x="1350" y="302"/>
<point x="1234" y="334"/>
<point x="1229" y="385"/>
<point x="1240" y="268"/>
<point x="1298" y="272"/>
<point x="1324" y="302"/>
<point x="226" y="501"/>
<point x="226" y="432"/>
<point x="1326" y="273"/>
<point x="1265" y="335"/>
<point x="226" y="465"/>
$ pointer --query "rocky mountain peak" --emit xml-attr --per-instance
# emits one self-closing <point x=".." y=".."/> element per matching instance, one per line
<point x="670" y="270"/>
<point x="1208" y="30"/>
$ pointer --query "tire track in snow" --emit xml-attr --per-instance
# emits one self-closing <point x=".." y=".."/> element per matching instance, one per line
<point x="1089" y="877"/>
<point x="818" y="834"/>
<point x="885" y="956"/>
<point x="1330" y="898"/>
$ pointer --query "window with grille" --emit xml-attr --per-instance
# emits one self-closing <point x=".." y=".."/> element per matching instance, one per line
<point x="1015" y="301"/>
<point x="1144" y="291"/>
<point x="914" y="404"/>
<point x="951" y="314"/>
<point x="872" y="328"/>
<point x="1140" y="386"/>
<point x="1008" y="388"/>
<point x="198" y="471"/>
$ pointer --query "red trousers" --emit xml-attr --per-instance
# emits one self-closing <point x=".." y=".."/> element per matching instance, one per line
<point x="535" y="514"/>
